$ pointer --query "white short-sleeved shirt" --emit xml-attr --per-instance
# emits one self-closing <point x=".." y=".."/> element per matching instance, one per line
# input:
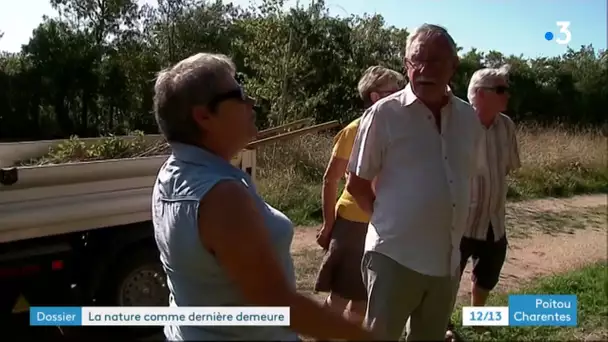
<point x="423" y="175"/>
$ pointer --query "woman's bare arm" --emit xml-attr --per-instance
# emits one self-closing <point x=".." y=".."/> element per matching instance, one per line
<point x="232" y="229"/>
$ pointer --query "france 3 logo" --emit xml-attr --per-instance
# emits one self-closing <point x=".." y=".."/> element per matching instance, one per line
<point x="564" y="32"/>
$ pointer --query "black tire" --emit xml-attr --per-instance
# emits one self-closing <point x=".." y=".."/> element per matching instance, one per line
<point x="117" y="288"/>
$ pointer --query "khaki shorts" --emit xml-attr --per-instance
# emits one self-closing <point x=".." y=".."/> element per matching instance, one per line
<point x="396" y="293"/>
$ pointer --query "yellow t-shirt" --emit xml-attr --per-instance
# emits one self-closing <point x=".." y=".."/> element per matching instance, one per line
<point x="346" y="206"/>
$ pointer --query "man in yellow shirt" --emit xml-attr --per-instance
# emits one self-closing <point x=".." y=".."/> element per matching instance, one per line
<point x="344" y="227"/>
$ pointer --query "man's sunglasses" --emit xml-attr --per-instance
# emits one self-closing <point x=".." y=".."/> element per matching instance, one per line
<point x="499" y="89"/>
<point x="236" y="94"/>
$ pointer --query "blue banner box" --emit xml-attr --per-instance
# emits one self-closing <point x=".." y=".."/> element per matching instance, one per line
<point x="543" y="310"/>
<point x="55" y="316"/>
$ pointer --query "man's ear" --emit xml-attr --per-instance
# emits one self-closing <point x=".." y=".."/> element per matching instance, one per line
<point x="201" y="116"/>
<point x="374" y="96"/>
<point x="480" y="93"/>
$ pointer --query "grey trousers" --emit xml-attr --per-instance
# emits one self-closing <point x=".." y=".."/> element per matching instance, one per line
<point x="396" y="293"/>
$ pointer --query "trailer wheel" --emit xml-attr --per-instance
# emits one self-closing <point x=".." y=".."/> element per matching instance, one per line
<point x="142" y="283"/>
<point x="135" y="279"/>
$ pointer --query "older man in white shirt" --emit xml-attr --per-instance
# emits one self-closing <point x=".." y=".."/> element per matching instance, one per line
<point x="419" y="145"/>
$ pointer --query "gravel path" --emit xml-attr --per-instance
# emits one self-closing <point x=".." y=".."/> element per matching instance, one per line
<point x="546" y="236"/>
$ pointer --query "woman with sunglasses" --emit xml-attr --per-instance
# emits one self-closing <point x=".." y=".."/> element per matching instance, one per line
<point x="220" y="243"/>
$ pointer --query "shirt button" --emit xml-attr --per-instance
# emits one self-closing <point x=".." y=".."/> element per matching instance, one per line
<point x="453" y="205"/>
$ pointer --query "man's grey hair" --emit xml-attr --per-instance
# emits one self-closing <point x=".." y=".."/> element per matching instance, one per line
<point x="191" y="82"/>
<point x="374" y="78"/>
<point x="485" y="78"/>
<point x="426" y="31"/>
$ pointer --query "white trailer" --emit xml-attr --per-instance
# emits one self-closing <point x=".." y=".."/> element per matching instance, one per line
<point x="80" y="233"/>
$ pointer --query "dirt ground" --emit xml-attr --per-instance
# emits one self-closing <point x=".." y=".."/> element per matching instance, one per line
<point x="545" y="236"/>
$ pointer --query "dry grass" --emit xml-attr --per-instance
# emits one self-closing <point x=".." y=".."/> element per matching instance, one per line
<point x="556" y="162"/>
<point x="559" y="162"/>
<point x="546" y="148"/>
<point x="289" y="175"/>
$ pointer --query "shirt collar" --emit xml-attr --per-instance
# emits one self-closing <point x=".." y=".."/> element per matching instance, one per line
<point x="495" y="121"/>
<point x="196" y="155"/>
<point x="492" y="125"/>
<point x="408" y="97"/>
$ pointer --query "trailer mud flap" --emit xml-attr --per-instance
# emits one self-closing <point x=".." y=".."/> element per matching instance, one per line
<point x="9" y="176"/>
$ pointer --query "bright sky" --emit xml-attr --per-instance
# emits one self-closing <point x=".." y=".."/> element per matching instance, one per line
<point x="509" y="26"/>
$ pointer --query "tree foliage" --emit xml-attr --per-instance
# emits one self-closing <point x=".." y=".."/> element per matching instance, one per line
<point x="90" y="70"/>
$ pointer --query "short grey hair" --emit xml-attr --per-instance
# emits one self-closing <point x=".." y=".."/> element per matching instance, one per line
<point x="374" y="78"/>
<point x="426" y="31"/>
<point x="486" y="77"/>
<point x="191" y="82"/>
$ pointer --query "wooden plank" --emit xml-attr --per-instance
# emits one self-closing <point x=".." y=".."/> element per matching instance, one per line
<point x="293" y="134"/>
<point x="275" y="130"/>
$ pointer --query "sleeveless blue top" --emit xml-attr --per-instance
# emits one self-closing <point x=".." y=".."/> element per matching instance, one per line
<point x="194" y="277"/>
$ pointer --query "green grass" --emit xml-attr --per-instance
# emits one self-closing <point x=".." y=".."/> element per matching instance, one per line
<point x="301" y="200"/>
<point x="590" y="284"/>
<point x="555" y="163"/>
<point x="557" y="181"/>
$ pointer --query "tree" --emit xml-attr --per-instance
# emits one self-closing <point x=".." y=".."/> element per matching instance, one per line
<point x="90" y="69"/>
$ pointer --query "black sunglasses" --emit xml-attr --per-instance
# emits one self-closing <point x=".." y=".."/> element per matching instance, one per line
<point x="236" y="94"/>
<point x="499" y="89"/>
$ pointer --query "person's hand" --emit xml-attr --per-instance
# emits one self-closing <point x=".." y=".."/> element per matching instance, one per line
<point x="324" y="236"/>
